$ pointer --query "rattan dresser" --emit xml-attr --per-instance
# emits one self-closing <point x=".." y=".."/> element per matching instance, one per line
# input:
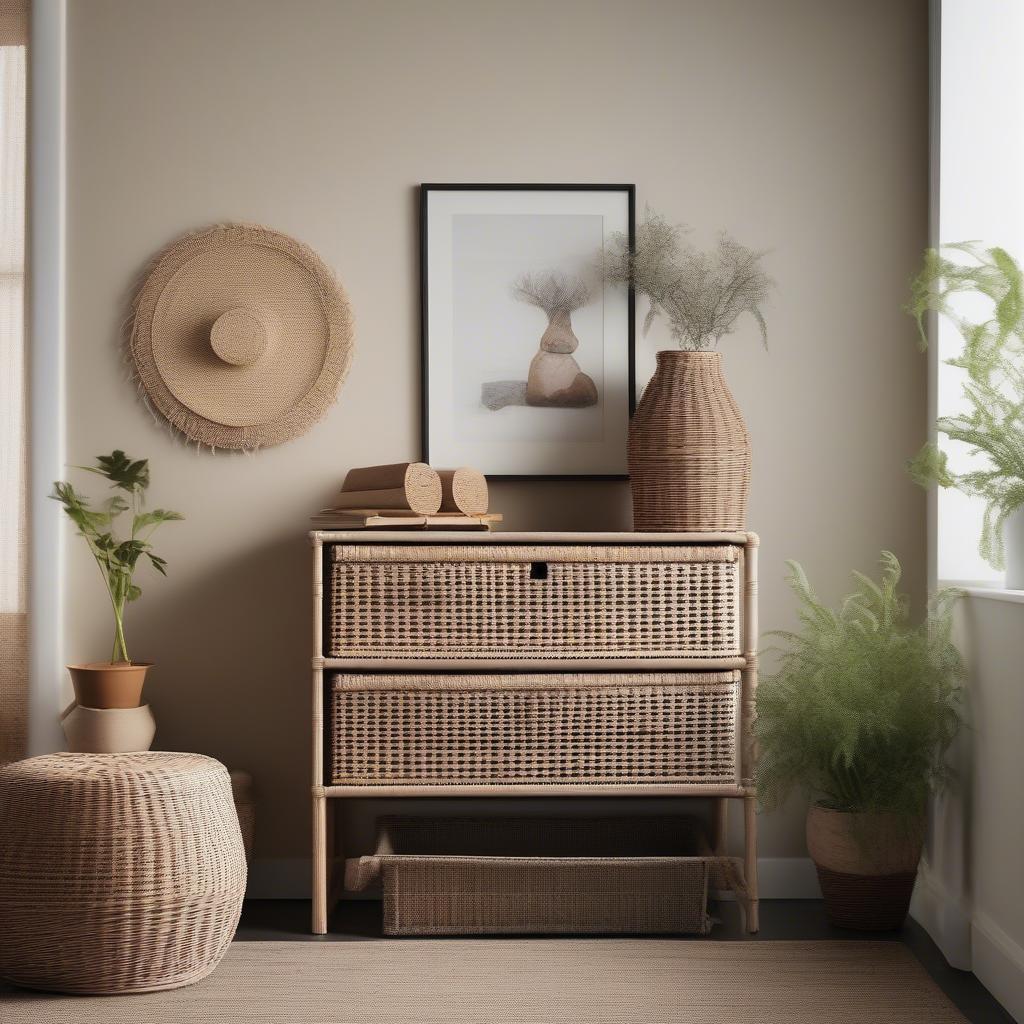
<point x="533" y="664"/>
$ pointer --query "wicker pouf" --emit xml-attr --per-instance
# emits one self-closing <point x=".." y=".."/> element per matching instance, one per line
<point x="118" y="872"/>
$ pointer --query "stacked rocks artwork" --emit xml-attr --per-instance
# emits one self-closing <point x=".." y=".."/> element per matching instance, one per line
<point x="555" y="378"/>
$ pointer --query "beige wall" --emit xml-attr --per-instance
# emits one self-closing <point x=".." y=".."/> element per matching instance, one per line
<point x="798" y="125"/>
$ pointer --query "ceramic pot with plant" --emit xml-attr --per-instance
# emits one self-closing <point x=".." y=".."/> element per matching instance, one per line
<point x="991" y="428"/>
<point x="116" y="683"/>
<point x="689" y="450"/>
<point x="858" y="716"/>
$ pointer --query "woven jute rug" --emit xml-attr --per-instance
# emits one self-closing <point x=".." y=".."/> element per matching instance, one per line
<point x="603" y="981"/>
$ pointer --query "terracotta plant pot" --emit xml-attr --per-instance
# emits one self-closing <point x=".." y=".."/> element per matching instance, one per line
<point x="689" y="451"/>
<point x="867" y="865"/>
<point x="108" y="730"/>
<point x="105" y="684"/>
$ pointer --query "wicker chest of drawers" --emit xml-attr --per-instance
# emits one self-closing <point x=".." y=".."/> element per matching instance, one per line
<point x="477" y="664"/>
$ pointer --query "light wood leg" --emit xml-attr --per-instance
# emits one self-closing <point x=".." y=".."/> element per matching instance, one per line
<point x="719" y="825"/>
<point x="750" y="860"/>
<point x="321" y="880"/>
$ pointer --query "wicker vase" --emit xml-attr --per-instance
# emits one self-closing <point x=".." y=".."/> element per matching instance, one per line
<point x="689" y="451"/>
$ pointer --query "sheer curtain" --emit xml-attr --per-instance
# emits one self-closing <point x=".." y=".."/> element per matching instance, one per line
<point x="13" y="438"/>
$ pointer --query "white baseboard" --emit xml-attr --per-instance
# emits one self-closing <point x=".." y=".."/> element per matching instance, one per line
<point x="288" y="878"/>
<point x="943" y="917"/>
<point x="998" y="963"/>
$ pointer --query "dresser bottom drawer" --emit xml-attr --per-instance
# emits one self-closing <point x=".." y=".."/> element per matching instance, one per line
<point x="535" y="729"/>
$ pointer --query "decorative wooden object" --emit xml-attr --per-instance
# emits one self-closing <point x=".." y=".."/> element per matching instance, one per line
<point x="402" y="486"/>
<point x="441" y="666"/>
<point x="463" y="490"/>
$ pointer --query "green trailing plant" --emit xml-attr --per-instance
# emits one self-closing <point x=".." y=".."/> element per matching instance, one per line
<point x="864" y="704"/>
<point x="117" y="556"/>
<point x="700" y="294"/>
<point x="992" y="428"/>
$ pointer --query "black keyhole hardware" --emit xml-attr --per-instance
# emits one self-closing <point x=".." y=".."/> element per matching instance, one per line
<point x="538" y="570"/>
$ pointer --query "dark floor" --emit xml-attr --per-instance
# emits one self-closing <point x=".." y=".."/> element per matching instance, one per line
<point x="359" y="921"/>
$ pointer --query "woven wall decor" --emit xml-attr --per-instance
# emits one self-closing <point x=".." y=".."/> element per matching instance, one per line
<point x="240" y="336"/>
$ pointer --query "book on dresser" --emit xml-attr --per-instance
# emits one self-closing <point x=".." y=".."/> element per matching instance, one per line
<point x="397" y="519"/>
<point x="475" y="664"/>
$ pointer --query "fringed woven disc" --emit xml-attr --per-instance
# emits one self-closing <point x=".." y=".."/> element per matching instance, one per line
<point x="240" y="337"/>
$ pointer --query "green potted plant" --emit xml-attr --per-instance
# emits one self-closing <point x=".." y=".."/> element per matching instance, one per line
<point x="116" y="683"/>
<point x="992" y="427"/>
<point x="858" y="716"/>
<point x="689" y="450"/>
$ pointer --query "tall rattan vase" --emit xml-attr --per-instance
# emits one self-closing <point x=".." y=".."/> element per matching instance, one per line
<point x="689" y="451"/>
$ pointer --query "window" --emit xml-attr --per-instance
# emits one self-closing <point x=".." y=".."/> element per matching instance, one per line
<point x="981" y="197"/>
<point x="13" y="447"/>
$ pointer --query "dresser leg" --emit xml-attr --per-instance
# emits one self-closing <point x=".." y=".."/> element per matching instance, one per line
<point x="321" y="878"/>
<point x="750" y="861"/>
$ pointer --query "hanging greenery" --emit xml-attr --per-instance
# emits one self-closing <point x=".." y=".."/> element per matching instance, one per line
<point x="992" y="428"/>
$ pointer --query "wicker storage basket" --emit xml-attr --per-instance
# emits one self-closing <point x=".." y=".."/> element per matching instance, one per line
<point x="674" y="727"/>
<point x="515" y="602"/>
<point x="466" y="876"/>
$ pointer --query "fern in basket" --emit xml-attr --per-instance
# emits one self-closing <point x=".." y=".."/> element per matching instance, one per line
<point x="993" y="426"/>
<point x="864" y="704"/>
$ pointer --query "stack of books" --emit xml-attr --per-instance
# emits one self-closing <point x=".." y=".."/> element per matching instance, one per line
<point x="409" y="496"/>
<point x="395" y="519"/>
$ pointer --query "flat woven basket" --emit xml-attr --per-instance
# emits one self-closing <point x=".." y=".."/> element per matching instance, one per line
<point x="567" y="876"/>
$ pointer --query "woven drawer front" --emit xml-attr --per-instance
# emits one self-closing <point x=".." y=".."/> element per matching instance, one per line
<point x="535" y="729"/>
<point x="527" y="602"/>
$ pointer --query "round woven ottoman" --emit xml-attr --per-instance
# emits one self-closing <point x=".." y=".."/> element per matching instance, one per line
<point x="118" y="872"/>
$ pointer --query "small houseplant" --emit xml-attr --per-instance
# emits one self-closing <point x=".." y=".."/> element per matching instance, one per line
<point x="118" y="682"/>
<point x="992" y="428"/>
<point x="858" y="716"/>
<point x="689" y="451"/>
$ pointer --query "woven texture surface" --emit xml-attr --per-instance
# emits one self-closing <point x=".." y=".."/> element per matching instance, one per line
<point x="689" y="451"/>
<point x="453" y="729"/>
<point x="118" y="872"/>
<point x="511" y="601"/>
<point x="537" y="981"/>
<point x="565" y="875"/>
<point x="272" y="367"/>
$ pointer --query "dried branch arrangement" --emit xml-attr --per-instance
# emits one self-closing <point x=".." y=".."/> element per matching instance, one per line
<point x="700" y="294"/>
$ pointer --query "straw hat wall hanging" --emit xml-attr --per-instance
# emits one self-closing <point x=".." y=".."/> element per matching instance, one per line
<point x="240" y="337"/>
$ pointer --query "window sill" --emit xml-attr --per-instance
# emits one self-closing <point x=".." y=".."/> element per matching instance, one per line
<point x="996" y="594"/>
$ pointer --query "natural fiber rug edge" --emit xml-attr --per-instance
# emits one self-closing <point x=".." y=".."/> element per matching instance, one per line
<point x="529" y="981"/>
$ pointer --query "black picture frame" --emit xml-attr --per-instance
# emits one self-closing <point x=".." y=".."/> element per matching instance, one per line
<point x="424" y="193"/>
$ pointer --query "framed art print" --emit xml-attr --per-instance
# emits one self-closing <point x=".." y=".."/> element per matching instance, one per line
<point x="527" y="359"/>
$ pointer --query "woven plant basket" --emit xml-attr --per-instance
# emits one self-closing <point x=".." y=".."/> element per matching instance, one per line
<point x="689" y="451"/>
<point x="867" y="866"/>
